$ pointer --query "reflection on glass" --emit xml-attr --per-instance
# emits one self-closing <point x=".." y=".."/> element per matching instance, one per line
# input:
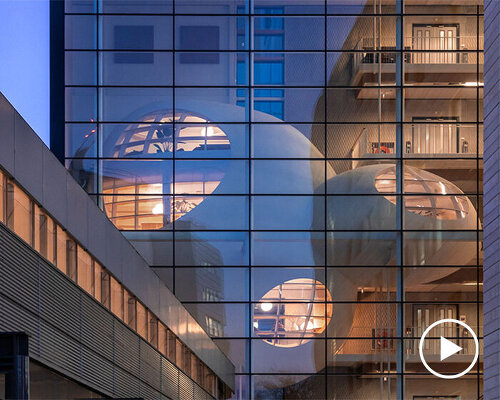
<point x="418" y="181"/>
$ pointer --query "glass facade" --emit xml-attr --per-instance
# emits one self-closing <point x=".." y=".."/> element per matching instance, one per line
<point x="305" y="175"/>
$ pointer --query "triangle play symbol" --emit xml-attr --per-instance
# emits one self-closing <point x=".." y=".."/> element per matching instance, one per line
<point x="448" y="348"/>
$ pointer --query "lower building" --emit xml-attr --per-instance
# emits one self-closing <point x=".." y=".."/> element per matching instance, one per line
<point x="81" y="313"/>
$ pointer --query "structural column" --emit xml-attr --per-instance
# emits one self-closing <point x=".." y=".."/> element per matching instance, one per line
<point x="14" y="363"/>
<point x="492" y="200"/>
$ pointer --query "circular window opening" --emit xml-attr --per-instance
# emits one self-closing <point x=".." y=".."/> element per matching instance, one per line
<point x="160" y="132"/>
<point x="149" y="194"/>
<point x="292" y="312"/>
<point x="439" y="199"/>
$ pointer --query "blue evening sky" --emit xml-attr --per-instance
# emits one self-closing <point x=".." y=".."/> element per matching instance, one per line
<point x="24" y="66"/>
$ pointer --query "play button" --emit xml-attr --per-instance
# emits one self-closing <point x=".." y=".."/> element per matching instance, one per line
<point x="448" y="348"/>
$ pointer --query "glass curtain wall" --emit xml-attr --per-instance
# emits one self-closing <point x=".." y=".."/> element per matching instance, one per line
<point x="305" y="176"/>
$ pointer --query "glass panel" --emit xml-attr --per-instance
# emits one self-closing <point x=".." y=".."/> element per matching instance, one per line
<point x="468" y="387"/>
<point x="211" y="7"/>
<point x="439" y="212"/>
<point x="199" y="32"/>
<point x="210" y="249"/>
<point x="292" y="312"/>
<point x="200" y="140"/>
<point x="137" y="6"/>
<point x="441" y="32"/>
<point x="162" y="339"/>
<point x="420" y="315"/>
<point x="237" y="350"/>
<point x="287" y="141"/>
<point x="132" y="212"/>
<point x="449" y="7"/>
<point x="98" y="289"/>
<point x="360" y="7"/>
<point x="368" y="68"/>
<point x="357" y="33"/>
<point x="135" y="69"/>
<point x="19" y="214"/>
<point x="312" y="35"/>
<point x="273" y="212"/>
<point x="361" y="213"/>
<point x="203" y="100"/>
<point x="294" y="387"/>
<point x="142" y="321"/>
<point x="153" y="330"/>
<point x="221" y="319"/>
<point x="81" y="104"/>
<point x="105" y="288"/>
<point x="80" y="6"/>
<point x="362" y="248"/>
<point x="288" y="248"/>
<point x="61" y="249"/>
<point x="233" y="208"/>
<point x="440" y="248"/>
<point x="364" y="386"/>
<point x="283" y="104"/>
<point x="305" y="359"/>
<point x="288" y="177"/>
<point x="80" y="32"/>
<point x="429" y="137"/>
<point x="129" y="309"/>
<point x="289" y="6"/>
<point x="211" y="68"/>
<point x="366" y="102"/>
<point x="352" y="353"/>
<point x="211" y="284"/>
<point x="368" y="284"/>
<point x="80" y="67"/>
<point x="117" y="298"/>
<point x="84" y="171"/>
<point x="45" y="235"/>
<point x="294" y="69"/>
<point x="71" y="259"/>
<point x="457" y="68"/>
<point x="85" y="271"/>
<point x="171" y="343"/>
<point x="121" y="104"/>
<point x="134" y="32"/>
<point x="155" y="247"/>
<point x="204" y="177"/>
<point x="370" y="141"/>
<point x="81" y="140"/>
<point x="457" y="103"/>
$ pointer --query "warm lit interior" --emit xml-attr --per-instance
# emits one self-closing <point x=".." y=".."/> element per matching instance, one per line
<point x="292" y="312"/>
<point x="436" y="202"/>
<point x="150" y="206"/>
<point x="155" y="135"/>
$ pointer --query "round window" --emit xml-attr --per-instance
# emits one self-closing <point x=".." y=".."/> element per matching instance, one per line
<point x="293" y="312"/>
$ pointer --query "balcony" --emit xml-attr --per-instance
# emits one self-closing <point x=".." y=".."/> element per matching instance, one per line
<point x="440" y="65"/>
<point x="443" y="138"/>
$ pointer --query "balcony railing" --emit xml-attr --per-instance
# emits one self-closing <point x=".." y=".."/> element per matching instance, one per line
<point x="451" y="139"/>
<point x="384" y="340"/>
<point x="441" y="50"/>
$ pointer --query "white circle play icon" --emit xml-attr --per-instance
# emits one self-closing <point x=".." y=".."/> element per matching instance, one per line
<point x="448" y="348"/>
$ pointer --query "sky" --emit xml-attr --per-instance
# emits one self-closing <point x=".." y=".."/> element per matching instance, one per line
<point x="24" y="55"/>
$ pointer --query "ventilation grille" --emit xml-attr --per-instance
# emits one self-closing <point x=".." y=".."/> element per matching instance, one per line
<point x="72" y="333"/>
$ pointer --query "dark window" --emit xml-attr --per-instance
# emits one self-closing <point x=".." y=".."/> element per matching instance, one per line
<point x="199" y="38"/>
<point x="134" y="37"/>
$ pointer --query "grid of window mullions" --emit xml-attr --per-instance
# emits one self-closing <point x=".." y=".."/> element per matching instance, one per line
<point x="399" y="157"/>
